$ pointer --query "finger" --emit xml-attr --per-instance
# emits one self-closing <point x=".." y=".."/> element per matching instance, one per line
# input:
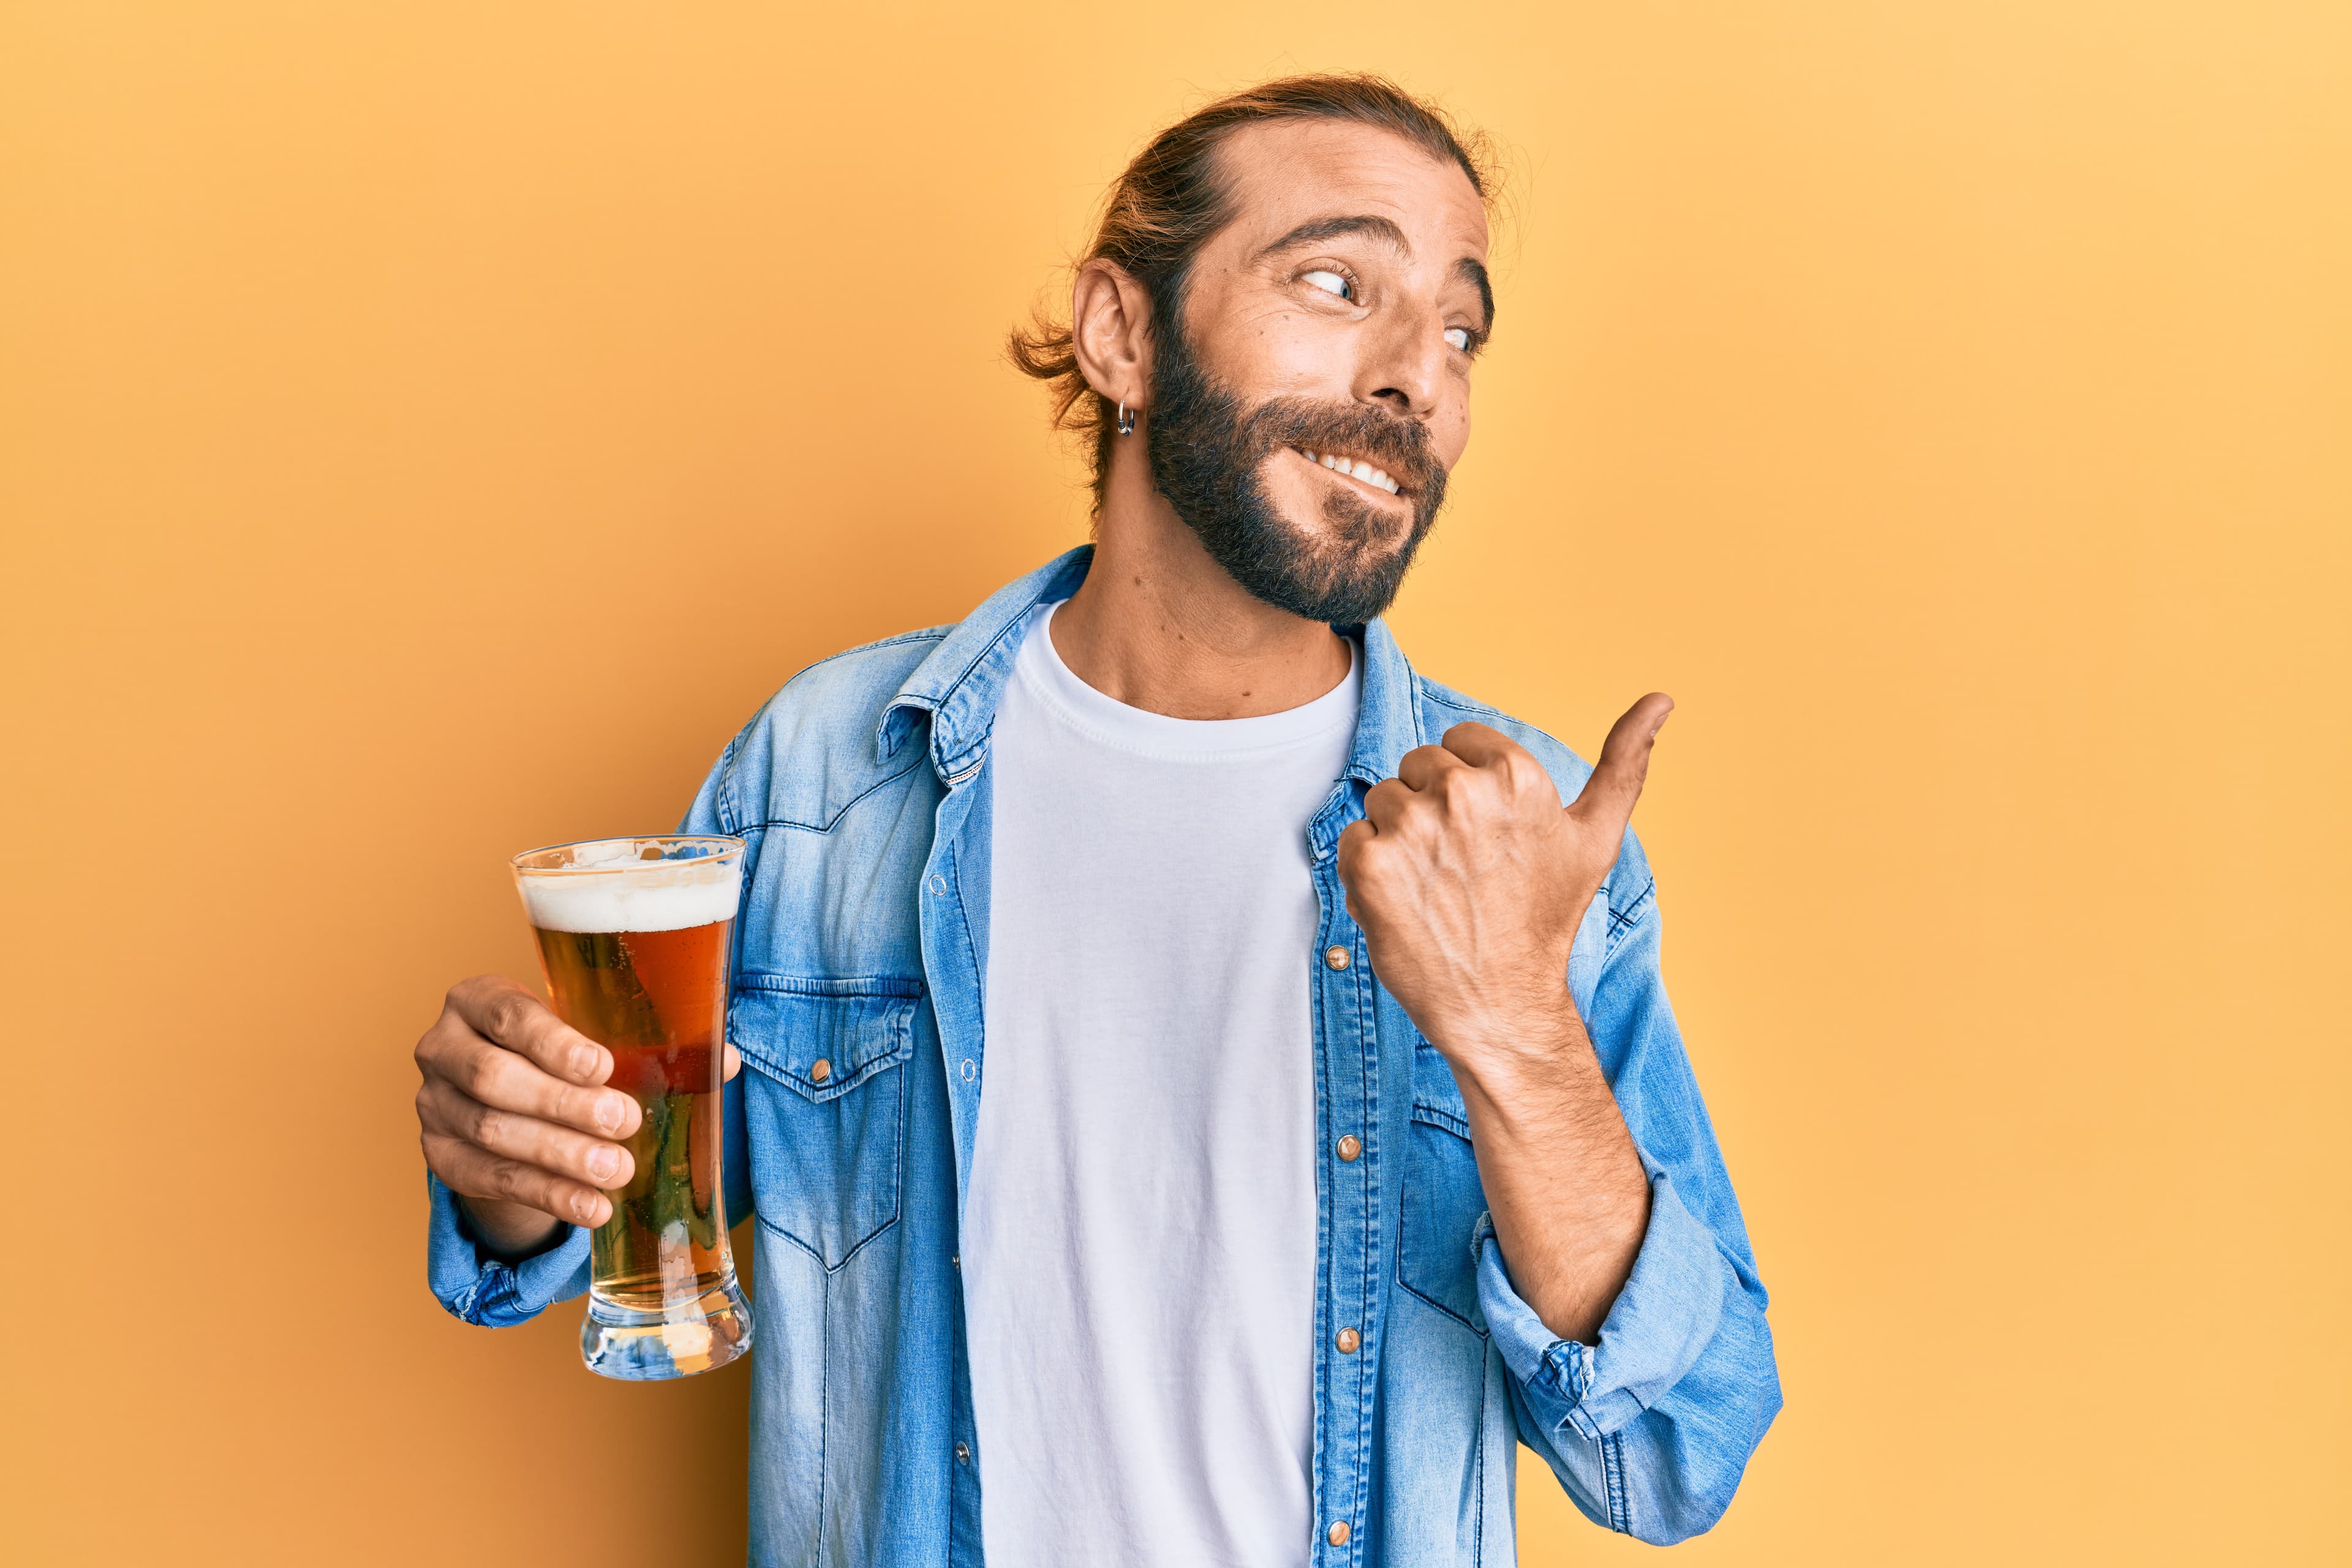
<point x="446" y="1111"/>
<point x="497" y="1009"/>
<point x="1487" y="747"/>
<point x="505" y="1082"/>
<point x="1481" y="746"/>
<point x="1419" y="768"/>
<point x="478" y="1173"/>
<point x="734" y="1061"/>
<point x="1354" y="839"/>
<point x="1608" y="797"/>
<point x="1385" y="804"/>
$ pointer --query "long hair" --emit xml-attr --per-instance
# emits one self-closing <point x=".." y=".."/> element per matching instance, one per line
<point x="1172" y="200"/>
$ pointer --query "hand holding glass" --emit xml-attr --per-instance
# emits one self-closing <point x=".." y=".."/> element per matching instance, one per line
<point x="634" y="940"/>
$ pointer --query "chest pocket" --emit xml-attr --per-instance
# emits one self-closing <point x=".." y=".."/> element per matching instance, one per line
<point x="1442" y="1199"/>
<point x="824" y="1104"/>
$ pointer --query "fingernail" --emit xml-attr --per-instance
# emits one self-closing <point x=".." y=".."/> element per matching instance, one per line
<point x="603" y="1162"/>
<point x="586" y="1209"/>
<point x="609" y="1111"/>
<point x="583" y="1061"/>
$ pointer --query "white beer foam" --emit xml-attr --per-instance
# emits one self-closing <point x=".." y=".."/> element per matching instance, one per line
<point x="635" y="895"/>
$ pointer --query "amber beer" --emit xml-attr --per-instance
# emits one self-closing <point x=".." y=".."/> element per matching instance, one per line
<point x="633" y="938"/>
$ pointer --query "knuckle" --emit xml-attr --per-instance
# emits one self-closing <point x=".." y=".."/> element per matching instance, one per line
<point x="475" y="1071"/>
<point x="472" y="999"/>
<point x="1470" y="731"/>
<point x="507" y="1177"/>
<point x="505" y="1017"/>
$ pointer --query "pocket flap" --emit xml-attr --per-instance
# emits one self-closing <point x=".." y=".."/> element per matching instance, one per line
<point x="1436" y="1098"/>
<point x="824" y="1037"/>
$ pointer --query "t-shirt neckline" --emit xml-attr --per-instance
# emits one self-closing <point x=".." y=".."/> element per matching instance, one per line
<point x="1115" y="724"/>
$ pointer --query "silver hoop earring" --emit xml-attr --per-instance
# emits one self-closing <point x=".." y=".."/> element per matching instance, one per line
<point x="1126" y="419"/>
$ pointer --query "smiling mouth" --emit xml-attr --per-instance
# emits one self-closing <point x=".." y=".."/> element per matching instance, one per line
<point x="1354" y="468"/>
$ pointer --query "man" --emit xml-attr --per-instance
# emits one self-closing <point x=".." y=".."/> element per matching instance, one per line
<point x="1250" y="1105"/>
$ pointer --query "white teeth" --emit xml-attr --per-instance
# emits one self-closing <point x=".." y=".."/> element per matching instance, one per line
<point x="1378" y="477"/>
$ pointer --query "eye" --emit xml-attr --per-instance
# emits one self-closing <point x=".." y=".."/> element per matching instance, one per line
<point x="1459" y="338"/>
<point x="1331" y="282"/>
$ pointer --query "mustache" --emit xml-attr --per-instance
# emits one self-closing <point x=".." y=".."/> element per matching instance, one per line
<point x="1399" y="446"/>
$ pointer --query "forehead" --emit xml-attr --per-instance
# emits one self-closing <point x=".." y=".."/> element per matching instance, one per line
<point x="1289" y="172"/>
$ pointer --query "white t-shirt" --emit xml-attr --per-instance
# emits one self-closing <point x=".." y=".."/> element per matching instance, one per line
<point x="1138" y="1240"/>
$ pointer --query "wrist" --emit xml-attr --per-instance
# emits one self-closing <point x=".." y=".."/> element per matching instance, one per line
<point x="508" y="1231"/>
<point x="1500" y="1051"/>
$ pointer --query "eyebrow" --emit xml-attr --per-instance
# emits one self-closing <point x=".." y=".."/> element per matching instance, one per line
<point x="1474" y="272"/>
<point x="1369" y="226"/>
<point x="1384" y="231"/>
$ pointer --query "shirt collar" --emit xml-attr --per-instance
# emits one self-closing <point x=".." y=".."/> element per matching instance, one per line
<point x="960" y="682"/>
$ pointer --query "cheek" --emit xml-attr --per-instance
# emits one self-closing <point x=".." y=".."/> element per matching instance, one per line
<point x="1313" y="359"/>
<point x="1281" y="352"/>
<point x="1449" y="435"/>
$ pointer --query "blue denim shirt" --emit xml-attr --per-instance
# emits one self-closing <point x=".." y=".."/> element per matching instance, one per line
<point x="862" y="789"/>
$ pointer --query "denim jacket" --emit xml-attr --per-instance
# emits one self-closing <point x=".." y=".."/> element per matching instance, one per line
<point x="862" y="789"/>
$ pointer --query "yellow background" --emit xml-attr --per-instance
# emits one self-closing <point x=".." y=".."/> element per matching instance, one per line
<point x="430" y="430"/>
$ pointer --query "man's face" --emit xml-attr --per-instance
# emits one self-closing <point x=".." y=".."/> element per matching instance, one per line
<point x="1304" y="421"/>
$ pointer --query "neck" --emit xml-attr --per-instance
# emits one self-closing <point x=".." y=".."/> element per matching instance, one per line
<point x="1160" y="626"/>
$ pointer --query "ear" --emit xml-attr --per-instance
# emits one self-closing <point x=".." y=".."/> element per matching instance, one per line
<point x="1110" y="332"/>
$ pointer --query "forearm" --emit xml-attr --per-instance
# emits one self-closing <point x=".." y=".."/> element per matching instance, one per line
<point x="1564" y="1183"/>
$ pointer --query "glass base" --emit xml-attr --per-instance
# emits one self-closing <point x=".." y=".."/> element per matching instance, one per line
<point x="681" y="1339"/>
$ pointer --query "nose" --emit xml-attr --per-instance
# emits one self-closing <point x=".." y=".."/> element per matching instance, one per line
<point x="1406" y="371"/>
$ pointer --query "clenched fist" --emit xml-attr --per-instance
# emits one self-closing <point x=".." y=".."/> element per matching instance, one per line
<point x="1470" y="879"/>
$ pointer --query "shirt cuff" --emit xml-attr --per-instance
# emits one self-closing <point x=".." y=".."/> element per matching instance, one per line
<point x="1660" y="1322"/>
<point x="491" y="1291"/>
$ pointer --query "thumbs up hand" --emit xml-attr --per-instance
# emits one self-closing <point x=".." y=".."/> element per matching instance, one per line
<point x="1470" y="879"/>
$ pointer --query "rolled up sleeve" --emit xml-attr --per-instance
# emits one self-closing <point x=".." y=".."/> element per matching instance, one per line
<point x="1650" y="1429"/>
<point x="1660" y="1323"/>
<point x="493" y="1292"/>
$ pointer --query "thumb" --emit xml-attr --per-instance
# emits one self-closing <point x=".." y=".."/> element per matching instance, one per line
<point x="734" y="1060"/>
<point x="1607" y="799"/>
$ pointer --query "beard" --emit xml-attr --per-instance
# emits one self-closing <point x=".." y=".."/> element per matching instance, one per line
<point x="1208" y="456"/>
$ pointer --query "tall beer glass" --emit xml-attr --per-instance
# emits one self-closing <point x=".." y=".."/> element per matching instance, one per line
<point x="633" y="937"/>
